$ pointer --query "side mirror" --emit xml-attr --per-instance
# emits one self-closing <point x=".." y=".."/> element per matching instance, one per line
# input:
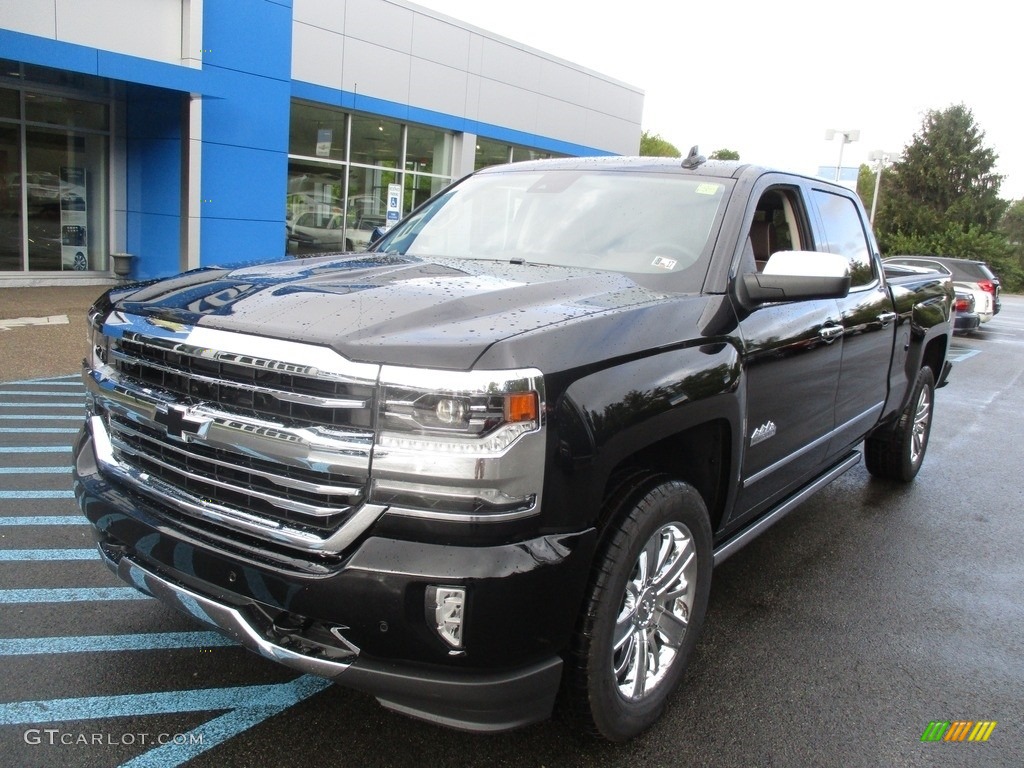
<point x="799" y="275"/>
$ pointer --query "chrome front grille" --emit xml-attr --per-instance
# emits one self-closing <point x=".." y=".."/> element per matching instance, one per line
<point x="265" y="437"/>
<point x="242" y="383"/>
<point x="292" y="495"/>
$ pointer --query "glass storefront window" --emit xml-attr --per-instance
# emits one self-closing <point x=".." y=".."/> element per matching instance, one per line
<point x="519" y="154"/>
<point x="9" y="104"/>
<point x="491" y="153"/>
<point x="376" y="141"/>
<point x="315" y="207"/>
<point x="367" y="204"/>
<point x="495" y="153"/>
<point x="53" y="175"/>
<point x="58" y="110"/>
<point x="428" y="150"/>
<point x="316" y="132"/>
<point x="10" y="198"/>
<point x="66" y="200"/>
<point x="336" y="200"/>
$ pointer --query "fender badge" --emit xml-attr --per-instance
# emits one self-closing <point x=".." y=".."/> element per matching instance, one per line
<point x="762" y="433"/>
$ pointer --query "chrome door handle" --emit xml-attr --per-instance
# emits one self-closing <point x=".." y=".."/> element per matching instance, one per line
<point x="886" y="317"/>
<point x="830" y="333"/>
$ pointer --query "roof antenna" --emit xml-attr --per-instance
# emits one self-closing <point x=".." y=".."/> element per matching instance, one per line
<point x="694" y="158"/>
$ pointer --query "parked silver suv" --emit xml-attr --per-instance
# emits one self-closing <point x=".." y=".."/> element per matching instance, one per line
<point x="974" y="276"/>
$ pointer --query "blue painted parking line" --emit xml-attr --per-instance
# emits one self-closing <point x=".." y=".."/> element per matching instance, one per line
<point x="247" y="705"/>
<point x="44" y="520"/>
<point x="38" y="430"/>
<point x="156" y="641"/>
<point x="35" y="449"/>
<point x="35" y="555"/>
<point x="57" y="494"/>
<point x="160" y="703"/>
<point x="41" y="405"/>
<point x="40" y="393"/>
<point x="34" y="417"/>
<point x="70" y="380"/>
<point x="70" y="595"/>
<point x="37" y="470"/>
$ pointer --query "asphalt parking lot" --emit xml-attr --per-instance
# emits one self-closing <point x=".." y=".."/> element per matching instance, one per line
<point x="835" y="639"/>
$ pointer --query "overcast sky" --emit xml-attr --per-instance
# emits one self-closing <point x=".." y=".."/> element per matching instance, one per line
<point x="768" y="79"/>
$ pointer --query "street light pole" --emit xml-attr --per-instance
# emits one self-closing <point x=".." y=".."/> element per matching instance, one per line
<point x="882" y="157"/>
<point x="848" y="137"/>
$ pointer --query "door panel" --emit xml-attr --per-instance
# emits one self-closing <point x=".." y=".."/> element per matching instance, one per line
<point x="792" y="375"/>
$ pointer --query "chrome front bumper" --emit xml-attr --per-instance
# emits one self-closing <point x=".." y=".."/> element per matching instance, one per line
<point x="473" y="701"/>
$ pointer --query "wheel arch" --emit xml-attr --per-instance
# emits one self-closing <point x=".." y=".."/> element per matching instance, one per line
<point x="699" y="456"/>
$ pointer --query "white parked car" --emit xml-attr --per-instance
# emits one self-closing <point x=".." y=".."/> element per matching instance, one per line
<point x="968" y="274"/>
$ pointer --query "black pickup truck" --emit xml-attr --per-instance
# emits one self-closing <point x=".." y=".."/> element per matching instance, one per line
<point x="497" y="456"/>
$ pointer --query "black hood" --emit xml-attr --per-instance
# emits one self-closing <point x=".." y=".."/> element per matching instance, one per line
<point x="388" y="309"/>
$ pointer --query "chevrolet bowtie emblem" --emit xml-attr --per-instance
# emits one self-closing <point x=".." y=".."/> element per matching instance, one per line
<point x="180" y="424"/>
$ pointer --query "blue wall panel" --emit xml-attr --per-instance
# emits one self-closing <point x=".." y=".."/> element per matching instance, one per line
<point x="244" y="184"/>
<point x="255" y="115"/>
<point x="228" y="241"/>
<point x="153" y="144"/>
<point x="153" y="238"/>
<point x="247" y="58"/>
<point x="251" y="36"/>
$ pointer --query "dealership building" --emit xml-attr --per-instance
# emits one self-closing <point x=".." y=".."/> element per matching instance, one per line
<point x="148" y="137"/>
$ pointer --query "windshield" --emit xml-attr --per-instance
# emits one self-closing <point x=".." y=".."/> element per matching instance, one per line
<point x="624" y="222"/>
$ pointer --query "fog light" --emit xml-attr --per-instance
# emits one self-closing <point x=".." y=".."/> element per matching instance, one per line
<point x="445" y="608"/>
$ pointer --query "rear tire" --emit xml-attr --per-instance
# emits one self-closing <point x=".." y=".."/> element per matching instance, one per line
<point x="644" y="609"/>
<point x="897" y="454"/>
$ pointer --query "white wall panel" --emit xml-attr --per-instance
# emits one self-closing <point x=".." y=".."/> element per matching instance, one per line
<point x="507" y="64"/>
<point x="507" y="106"/>
<point x="564" y="82"/>
<point x="372" y="70"/>
<point x="440" y="41"/>
<point x="437" y="87"/>
<point x="386" y="24"/>
<point x="326" y="14"/>
<point x="150" y="29"/>
<point x="602" y="130"/>
<point x="555" y="115"/>
<point x="318" y="55"/>
<point x="33" y="17"/>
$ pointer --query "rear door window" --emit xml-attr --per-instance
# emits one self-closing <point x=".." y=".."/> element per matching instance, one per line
<point x="844" y="235"/>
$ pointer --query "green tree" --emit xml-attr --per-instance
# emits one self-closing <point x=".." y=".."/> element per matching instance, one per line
<point x="652" y="145"/>
<point x="866" y="185"/>
<point x="942" y="197"/>
<point x="1012" y="224"/>
<point x="724" y="154"/>
<point x="1010" y="268"/>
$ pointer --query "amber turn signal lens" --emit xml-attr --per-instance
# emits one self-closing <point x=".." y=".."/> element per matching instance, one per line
<point x="521" y="407"/>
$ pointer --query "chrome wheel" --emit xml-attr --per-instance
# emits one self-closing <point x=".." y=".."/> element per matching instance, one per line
<point x="645" y="605"/>
<point x="922" y="422"/>
<point x="655" y="611"/>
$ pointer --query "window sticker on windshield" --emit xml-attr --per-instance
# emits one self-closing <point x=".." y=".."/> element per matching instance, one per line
<point x="708" y="189"/>
<point x="664" y="263"/>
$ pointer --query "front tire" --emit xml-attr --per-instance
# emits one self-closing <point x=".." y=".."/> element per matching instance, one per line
<point x="644" y="610"/>
<point x="897" y="454"/>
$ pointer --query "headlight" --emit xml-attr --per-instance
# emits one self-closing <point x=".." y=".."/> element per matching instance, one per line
<point x="460" y="445"/>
